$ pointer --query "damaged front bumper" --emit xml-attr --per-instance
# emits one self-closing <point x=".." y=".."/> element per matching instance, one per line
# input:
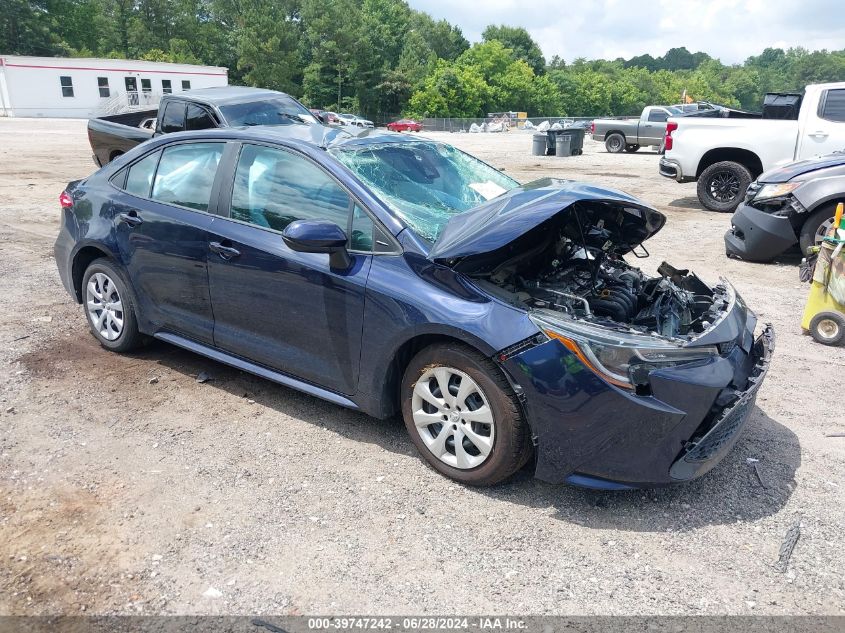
<point x="590" y="433"/>
<point x="759" y="236"/>
<point x="714" y="440"/>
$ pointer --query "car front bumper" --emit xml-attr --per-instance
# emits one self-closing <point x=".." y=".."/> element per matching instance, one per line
<point x="592" y="434"/>
<point x="758" y="236"/>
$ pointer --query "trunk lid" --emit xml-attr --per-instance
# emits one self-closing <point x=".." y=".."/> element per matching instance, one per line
<point x="478" y="233"/>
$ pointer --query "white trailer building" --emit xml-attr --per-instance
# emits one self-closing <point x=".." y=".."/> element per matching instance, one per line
<point x="85" y="87"/>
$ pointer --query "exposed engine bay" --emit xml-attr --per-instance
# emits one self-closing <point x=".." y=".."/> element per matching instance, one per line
<point x="577" y="268"/>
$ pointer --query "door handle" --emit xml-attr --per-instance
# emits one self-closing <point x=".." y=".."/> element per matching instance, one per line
<point x="819" y="134"/>
<point x="226" y="252"/>
<point x="132" y="218"/>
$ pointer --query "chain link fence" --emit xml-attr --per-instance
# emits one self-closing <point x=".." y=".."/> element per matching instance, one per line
<point x="453" y="124"/>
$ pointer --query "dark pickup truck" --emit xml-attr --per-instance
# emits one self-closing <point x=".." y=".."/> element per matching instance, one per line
<point x="226" y="106"/>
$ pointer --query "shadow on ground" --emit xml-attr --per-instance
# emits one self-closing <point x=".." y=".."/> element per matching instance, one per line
<point x="735" y="490"/>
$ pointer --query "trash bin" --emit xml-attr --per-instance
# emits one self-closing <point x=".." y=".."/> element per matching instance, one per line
<point x="563" y="145"/>
<point x="538" y="147"/>
<point x="576" y="145"/>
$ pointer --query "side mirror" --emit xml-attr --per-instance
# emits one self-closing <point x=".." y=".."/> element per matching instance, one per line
<point x="319" y="236"/>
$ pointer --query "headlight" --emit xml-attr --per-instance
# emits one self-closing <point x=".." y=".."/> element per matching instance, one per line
<point x="620" y="358"/>
<point x="776" y="190"/>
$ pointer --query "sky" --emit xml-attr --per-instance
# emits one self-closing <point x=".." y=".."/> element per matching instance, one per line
<point x="730" y="30"/>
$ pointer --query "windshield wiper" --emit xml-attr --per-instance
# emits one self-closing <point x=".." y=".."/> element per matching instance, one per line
<point x="293" y="117"/>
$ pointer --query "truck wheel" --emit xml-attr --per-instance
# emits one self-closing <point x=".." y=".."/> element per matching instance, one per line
<point x="828" y="328"/>
<point x="614" y="143"/>
<point x="816" y="227"/>
<point x="631" y="148"/>
<point x="722" y="185"/>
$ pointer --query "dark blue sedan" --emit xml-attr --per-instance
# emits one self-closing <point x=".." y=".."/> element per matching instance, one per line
<point x="388" y="273"/>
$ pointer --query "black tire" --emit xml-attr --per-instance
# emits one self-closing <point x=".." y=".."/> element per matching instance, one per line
<point x="129" y="337"/>
<point x="511" y="447"/>
<point x="828" y="328"/>
<point x="614" y="143"/>
<point x="812" y="224"/>
<point x="631" y="148"/>
<point x="722" y="185"/>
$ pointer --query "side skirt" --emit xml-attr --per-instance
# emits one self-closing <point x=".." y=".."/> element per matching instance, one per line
<point x="258" y="370"/>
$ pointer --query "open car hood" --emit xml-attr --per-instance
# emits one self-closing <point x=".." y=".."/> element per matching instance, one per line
<point x="472" y="240"/>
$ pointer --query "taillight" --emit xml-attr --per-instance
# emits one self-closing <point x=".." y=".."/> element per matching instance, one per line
<point x="65" y="200"/>
<point x="592" y="127"/>
<point x="668" y="141"/>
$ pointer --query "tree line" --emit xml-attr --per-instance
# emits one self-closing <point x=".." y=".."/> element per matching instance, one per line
<point x="381" y="57"/>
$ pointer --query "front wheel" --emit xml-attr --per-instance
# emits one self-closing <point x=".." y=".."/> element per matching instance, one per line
<point x="463" y="416"/>
<point x="614" y="143"/>
<point x="816" y="227"/>
<point x="722" y="185"/>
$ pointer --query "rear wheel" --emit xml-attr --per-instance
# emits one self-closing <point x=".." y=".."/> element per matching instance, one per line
<point x="614" y="143"/>
<point x="828" y="328"/>
<point x="816" y="227"/>
<point x="463" y="416"/>
<point x="109" y="307"/>
<point x="722" y="185"/>
<point x="631" y="148"/>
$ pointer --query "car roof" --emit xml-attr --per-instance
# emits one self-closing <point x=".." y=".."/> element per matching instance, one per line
<point x="314" y="135"/>
<point x="224" y="95"/>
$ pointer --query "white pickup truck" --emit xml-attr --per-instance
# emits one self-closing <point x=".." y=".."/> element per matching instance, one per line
<point x="725" y="154"/>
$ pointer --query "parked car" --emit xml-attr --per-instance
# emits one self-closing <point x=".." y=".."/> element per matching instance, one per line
<point x="789" y="205"/>
<point x="724" y="154"/>
<point x="224" y="106"/>
<point x="405" y="125"/>
<point x="391" y="274"/>
<point x="631" y="134"/>
<point x="354" y="120"/>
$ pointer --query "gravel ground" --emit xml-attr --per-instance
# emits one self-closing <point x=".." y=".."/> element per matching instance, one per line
<point x="126" y="486"/>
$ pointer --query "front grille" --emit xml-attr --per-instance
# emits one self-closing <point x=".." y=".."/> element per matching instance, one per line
<point x="722" y="432"/>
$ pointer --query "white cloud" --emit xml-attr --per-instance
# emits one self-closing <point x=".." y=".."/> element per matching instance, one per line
<point x="731" y="30"/>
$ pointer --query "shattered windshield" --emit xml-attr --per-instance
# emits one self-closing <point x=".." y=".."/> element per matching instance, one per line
<point x="281" y="110"/>
<point x="424" y="182"/>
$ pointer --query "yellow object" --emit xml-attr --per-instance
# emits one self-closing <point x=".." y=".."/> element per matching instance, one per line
<point x="819" y="301"/>
<point x="837" y="219"/>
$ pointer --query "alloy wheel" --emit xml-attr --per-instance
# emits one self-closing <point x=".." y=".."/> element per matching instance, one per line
<point x="823" y="230"/>
<point x="453" y="417"/>
<point x="104" y="306"/>
<point x="724" y="186"/>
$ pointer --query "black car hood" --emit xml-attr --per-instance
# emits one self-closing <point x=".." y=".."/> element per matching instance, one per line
<point x="493" y="225"/>
<point x="801" y="167"/>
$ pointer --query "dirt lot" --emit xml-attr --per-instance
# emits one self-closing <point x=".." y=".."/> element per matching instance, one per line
<point x="127" y="486"/>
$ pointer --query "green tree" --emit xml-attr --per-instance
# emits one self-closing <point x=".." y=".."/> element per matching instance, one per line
<point x="451" y="90"/>
<point x="520" y="42"/>
<point x="331" y="51"/>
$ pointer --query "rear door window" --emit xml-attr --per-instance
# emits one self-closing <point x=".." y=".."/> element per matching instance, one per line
<point x="173" y="119"/>
<point x="198" y="118"/>
<point x="140" y="177"/>
<point x="186" y="174"/>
